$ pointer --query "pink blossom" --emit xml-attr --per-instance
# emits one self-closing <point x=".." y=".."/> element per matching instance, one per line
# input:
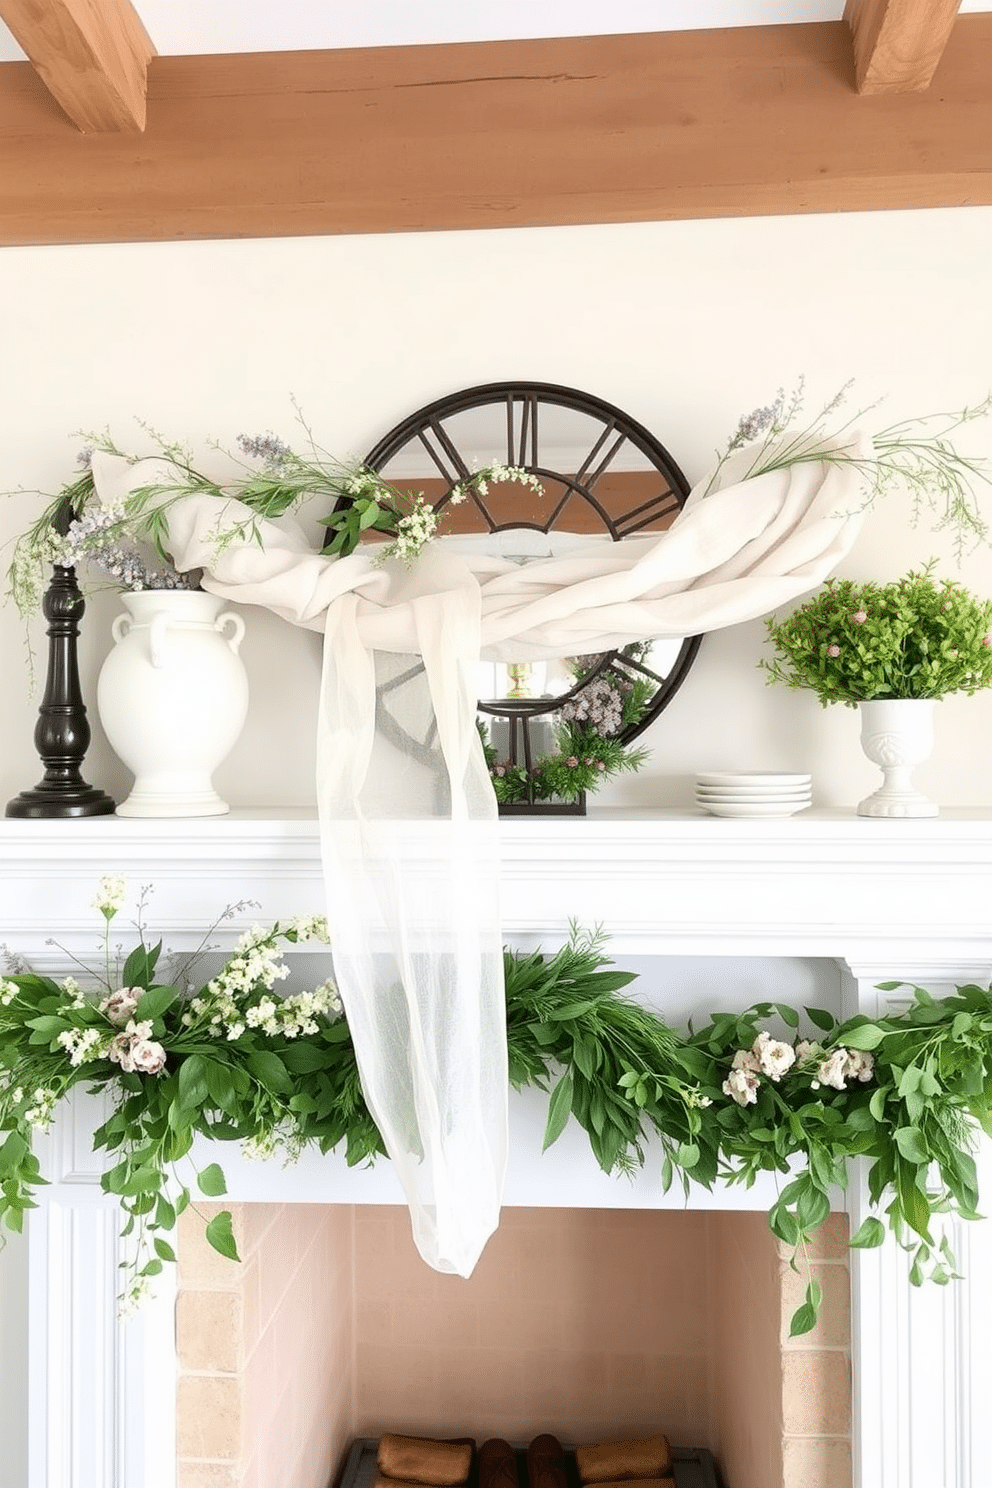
<point x="121" y="1004"/>
<point x="147" y="1057"/>
<point x="833" y="650"/>
<point x="572" y="762"/>
<point x="946" y="605"/>
<point x="859" y="617"/>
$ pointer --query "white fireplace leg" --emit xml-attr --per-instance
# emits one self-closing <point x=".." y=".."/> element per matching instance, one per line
<point x="101" y="1390"/>
<point x="921" y="1371"/>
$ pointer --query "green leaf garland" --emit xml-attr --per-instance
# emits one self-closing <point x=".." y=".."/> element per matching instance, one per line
<point x="724" y="1102"/>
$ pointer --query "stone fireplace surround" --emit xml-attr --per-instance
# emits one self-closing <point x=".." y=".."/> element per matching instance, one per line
<point x="838" y="903"/>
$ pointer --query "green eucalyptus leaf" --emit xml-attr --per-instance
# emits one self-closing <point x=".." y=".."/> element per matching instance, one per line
<point x="220" y="1234"/>
<point x="559" y="1110"/>
<point x="909" y="1140"/>
<point x="211" y="1181"/>
<point x="862" y="1036"/>
<point x="869" y="1234"/>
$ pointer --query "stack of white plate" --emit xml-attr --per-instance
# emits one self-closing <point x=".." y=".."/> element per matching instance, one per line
<point x="753" y="792"/>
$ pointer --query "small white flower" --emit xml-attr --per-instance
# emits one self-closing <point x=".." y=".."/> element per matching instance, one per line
<point x="833" y="1070"/>
<point x="860" y="1065"/>
<point x="742" y="1084"/>
<point x="8" y="991"/>
<point x="744" y="1059"/>
<point x="774" y="1057"/>
<point x="110" y="895"/>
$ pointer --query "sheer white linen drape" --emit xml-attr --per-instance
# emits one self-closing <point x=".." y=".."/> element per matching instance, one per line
<point x="408" y="818"/>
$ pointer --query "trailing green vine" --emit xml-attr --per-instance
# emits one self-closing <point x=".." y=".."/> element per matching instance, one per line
<point x="236" y="1061"/>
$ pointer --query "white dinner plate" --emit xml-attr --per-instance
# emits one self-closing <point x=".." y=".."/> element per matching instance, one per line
<point x="751" y="793"/>
<point x="757" y="778"/>
<point x="754" y="808"/>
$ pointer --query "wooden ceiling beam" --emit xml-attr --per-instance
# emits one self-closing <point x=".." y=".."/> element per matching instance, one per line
<point x="92" y="56"/>
<point x="898" y="43"/>
<point x="719" y="123"/>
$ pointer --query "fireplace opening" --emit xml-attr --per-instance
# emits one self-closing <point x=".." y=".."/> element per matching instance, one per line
<point x="590" y="1324"/>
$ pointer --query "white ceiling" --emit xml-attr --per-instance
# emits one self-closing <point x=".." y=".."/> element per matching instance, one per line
<point x="191" y="27"/>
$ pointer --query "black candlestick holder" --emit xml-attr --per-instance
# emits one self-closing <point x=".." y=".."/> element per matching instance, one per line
<point x="62" y="733"/>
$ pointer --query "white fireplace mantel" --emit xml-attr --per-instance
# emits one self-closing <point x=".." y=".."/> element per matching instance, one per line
<point x="825" y="883"/>
<point x="883" y="900"/>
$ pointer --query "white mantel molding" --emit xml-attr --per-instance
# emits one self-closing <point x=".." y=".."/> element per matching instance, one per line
<point x="866" y="890"/>
<point x="888" y="900"/>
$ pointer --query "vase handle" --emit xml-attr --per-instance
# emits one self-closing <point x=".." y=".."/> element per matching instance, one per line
<point x="158" y="630"/>
<point x="228" y="617"/>
<point x="120" y="628"/>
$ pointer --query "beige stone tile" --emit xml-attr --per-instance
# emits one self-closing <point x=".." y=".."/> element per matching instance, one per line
<point x="829" y="1242"/>
<point x="209" y="1416"/>
<point x="816" y="1393"/>
<point x="251" y="1475"/>
<point x="208" y="1475"/>
<point x="257" y="1221"/>
<point x="209" y="1330"/>
<point x="833" y="1328"/>
<point x="199" y="1264"/>
<point x="816" y="1462"/>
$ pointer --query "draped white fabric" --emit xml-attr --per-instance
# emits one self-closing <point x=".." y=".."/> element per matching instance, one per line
<point x="408" y="818"/>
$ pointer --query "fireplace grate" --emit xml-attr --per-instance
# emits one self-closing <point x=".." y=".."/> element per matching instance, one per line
<point x="694" y="1466"/>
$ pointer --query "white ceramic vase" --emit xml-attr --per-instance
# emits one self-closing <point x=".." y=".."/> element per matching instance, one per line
<point x="896" y="735"/>
<point x="172" y="697"/>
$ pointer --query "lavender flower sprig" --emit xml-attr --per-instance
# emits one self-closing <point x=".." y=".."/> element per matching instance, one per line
<point x="128" y="543"/>
<point x="916" y="455"/>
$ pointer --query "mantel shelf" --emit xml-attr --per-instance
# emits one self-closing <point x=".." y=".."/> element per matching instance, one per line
<point x="826" y="883"/>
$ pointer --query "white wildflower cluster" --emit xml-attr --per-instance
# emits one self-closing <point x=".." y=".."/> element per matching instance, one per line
<point x="413" y="532"/>
<point x="311" y="927"/>
<point x="255" y="964"/>
<point x="284" y="1138"/>
<point x="766" y="1056"/>
<point x="8" y="991"/>
<point x="135" y="1050"/>
<point x="293" y="1016"/>
<point x="74" y="992"/>
<point x="111" y="892"/>
<point x="133" y="1298"/>
<point x="496" y="473"/>
<point x="83" y="1044"/>
<point x="41" y="1112"/>
<point x="697" y="1099"/>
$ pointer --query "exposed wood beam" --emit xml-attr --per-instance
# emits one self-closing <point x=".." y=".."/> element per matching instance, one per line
<point x="719" y="123"/>
<point x="898" y="43"/>
<point x="92" y="56"/>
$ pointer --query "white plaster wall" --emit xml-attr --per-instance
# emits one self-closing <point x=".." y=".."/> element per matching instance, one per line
<point x="686" y="325"/>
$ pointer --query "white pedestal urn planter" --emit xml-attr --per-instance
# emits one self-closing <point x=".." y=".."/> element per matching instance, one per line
<point x="896" y="735"/>
<point x="172" y="697"/>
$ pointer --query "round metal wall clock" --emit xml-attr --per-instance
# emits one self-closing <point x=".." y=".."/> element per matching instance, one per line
<point x="601" y="471"/>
